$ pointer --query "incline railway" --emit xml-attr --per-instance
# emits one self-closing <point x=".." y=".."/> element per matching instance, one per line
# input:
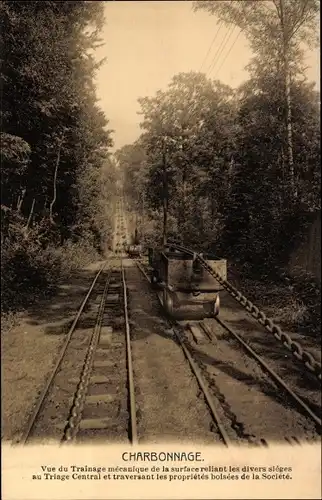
<point x="131" y="371"/>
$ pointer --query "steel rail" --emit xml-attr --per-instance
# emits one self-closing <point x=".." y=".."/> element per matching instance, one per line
<point x="305" y="357"/>
<point x="204" y="389"/>
<point x="74" y="421"/>
<point x="197" y="373"/>
<point x="272" y="373"/>
<point x="134" y="433"/>
<point x="75" y="417"/>
<point x="299" y="402"/>
<point x="26" y="433"/>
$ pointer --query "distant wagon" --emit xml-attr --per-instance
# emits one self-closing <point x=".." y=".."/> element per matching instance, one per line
<point x="134" y="251"/>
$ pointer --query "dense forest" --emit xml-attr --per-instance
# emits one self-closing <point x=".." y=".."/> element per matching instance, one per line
<point x="57" y="175"/>
<point x="237" y="171"/>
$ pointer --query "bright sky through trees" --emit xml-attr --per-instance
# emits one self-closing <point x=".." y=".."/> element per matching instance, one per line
<point x="146" y="43"/>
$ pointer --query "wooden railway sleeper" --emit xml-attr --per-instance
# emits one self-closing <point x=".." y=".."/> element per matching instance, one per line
<point x="73" y="423"/>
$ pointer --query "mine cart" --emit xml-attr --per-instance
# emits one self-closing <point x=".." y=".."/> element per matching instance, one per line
<point x="134" y="251"/>
<point x="187" y="288"/>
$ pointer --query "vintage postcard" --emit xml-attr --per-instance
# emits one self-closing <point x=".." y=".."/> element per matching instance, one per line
<point x="160" y="250"/>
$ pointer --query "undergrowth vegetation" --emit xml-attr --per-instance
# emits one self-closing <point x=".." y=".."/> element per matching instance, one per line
<point x="293" y="301"/>
<point x="32" y="266"/>
<point x="57" y="175"/>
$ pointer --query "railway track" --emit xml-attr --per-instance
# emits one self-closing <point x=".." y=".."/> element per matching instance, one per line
<point x="86" y="395"/>
<point x="226" y="420"/>
<point x="91" y="393"/>
<point x="99" y="406"/>
<point x="76" y="338"/>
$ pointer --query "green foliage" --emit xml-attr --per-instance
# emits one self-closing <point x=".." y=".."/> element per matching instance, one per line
<point x="14" y="159"/>
<point x="268" y="23"/>
<point x="49" y="102"/>
<point x="25" y="267"/>
<point x="293" y="301"/>
<point x="232" y="160"/>
<point x="134" y="162"/>
<point x="187" y="138"/>
<point x="29" y="270"/>
<point x="260" y="221"/>
<point x="55" y="141"/>
<point x="229" y="191"/>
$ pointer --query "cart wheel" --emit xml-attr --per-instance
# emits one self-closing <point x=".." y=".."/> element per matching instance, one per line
<point x="154" y="277"/>
<point x="216" y="306"/>
<point x="167" y="301"/>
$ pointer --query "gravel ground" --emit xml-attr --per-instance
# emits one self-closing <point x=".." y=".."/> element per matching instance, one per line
<point x="274" y="352"/>
<point x="252" y="406"/>
<point x="105" y="404"/>
<point x="29" y="351"/>
<point x="169" y="403"/>
<point x="167" y="394"/>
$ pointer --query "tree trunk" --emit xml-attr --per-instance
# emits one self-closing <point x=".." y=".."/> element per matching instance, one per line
<point x="288" y="105"/>
<point x="165" y="197"/>
<point x="230" y="172"/>
<point x="30" y="214"/>
<point x="55" y="182"/>
<point x="289" y="130"/>
<point x="182" y="206"/>
<point x="20" y="200"/>
<point x="143" y="207"/>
